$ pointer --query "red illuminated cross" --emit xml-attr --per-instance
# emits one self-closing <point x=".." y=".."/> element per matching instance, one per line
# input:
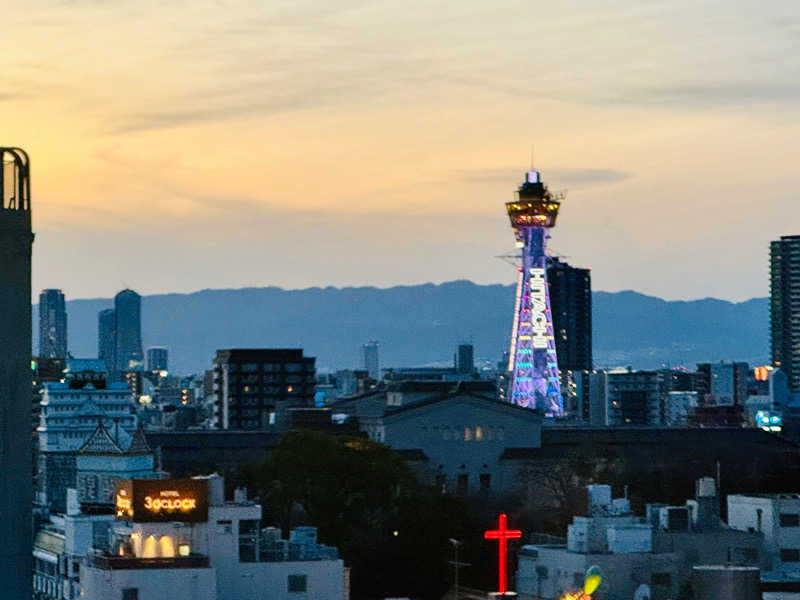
<point x="502" y="535"/>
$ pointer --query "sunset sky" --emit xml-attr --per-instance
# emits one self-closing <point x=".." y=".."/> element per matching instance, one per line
<point x="179" y="145"/>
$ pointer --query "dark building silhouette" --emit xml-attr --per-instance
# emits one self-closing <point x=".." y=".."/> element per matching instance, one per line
<point x="52" y="324"/>
<point x="465" y="361"/>
<point x="571" y="305"/>
<point x="157" y="359"/>
<point x="255" y="388"/>
<point x="107" y="337"/>
<point x="785" y="307"/>
<point x="128" y="331"/>
<point x="16" y="484"/>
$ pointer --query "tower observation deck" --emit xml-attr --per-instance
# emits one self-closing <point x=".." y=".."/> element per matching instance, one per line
<point x="532" y="363"/>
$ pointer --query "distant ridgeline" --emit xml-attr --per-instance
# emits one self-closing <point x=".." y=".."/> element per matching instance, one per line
<point x="422" y="324"/>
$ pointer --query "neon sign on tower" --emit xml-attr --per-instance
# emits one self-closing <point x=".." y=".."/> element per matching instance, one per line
<point x="532" y="361"/>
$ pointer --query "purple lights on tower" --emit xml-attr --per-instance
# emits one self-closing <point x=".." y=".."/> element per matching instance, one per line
<point x="532" y="359"/>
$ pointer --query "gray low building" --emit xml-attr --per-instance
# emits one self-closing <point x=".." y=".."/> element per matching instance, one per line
<point x="649" y="556"/>
<point x="454" y="435"/>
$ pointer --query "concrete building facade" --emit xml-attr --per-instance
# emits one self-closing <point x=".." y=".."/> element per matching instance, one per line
<point x="648" y="556"/>
<point x="777" y="518"/>
<point x="16" y="488"/>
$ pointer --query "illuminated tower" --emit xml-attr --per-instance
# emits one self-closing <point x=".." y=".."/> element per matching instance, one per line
<point x="532" y="362"/>
<point x="16" y="476"/>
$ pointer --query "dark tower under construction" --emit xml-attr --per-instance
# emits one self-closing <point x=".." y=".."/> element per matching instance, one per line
<point x="16" y="480"/>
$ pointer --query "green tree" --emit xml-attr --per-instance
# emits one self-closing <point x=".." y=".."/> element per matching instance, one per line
<point x="363" y="498"/>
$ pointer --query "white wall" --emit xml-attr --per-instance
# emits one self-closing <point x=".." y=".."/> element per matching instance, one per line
<point x="153" y="584"/>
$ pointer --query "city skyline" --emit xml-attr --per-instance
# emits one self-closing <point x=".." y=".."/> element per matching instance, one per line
<point x="325" y="146"/>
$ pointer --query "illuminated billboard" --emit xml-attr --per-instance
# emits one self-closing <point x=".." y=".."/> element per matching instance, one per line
<point x="162" y="500"/>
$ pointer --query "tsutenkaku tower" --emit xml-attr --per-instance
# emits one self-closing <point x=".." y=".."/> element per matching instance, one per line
<point x="532" y="363"/>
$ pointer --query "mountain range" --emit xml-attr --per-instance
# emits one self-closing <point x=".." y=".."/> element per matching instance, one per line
<point x="422" y="324"/>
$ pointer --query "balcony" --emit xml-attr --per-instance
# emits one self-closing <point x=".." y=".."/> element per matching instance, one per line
<point x="114" y="563"/>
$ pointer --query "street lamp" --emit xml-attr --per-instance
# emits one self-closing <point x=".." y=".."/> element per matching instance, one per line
<point x="456" y="564"/>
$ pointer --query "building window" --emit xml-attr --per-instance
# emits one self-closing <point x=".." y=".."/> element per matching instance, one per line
<point x="486" y="482"/>
<point x="463" y="484"/>
<point x="441" y="483"/>
<point x="660" y="579"/>
<point x="467" y="434"/>
<point x="743" y="556"/>
<point x="248" y="534"/>
<point x="224" y="526"/>
<point x="790" y="555"/>
<point x="130" y="593"/>
<point x="298" y="583"/>
<point x="790" y="520"/>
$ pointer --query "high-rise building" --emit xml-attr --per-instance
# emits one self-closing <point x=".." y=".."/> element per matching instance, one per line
<point x="571" y="306"/>
<point x="128" y="329"/>
<point x="369" y="359"/>
<point x="785" y="307"/>
<point x="465" y="361"/>
<point x="533" y="362"/>
<point x="107" y="337"/>
<point x="254" y="388"/>
<point x="157" y="359"/>
<point x="52" y="324"/>
<point x="16" y="483"/>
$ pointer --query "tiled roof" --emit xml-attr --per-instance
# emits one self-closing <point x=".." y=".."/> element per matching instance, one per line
<point x="139" y="443"/>
<point x="100" y="442"/>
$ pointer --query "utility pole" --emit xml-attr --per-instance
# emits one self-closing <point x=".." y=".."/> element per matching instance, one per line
<point x="456" y="564"/>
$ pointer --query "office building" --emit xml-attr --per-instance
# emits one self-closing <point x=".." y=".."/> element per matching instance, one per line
<point x="128" y="331"/>
<point x="679" y="406"/>
<point x="722" y="383"/>
<point x="370" y="361"/>
<point x="52" y="324"/>
<point x="16" y="240"/>
<point x="157" y="359"/>
<point x="649" y="556"/>
<point x="253" y="387"/>
<point x="107" y="338"/>
<point x="571" y="305"/>
<point x="633" y="398"/>
<point x="785" y="307"/>
<point x="587" y="396"/>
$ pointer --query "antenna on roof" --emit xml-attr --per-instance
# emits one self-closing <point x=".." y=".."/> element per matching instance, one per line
<point x="533" y="154"/>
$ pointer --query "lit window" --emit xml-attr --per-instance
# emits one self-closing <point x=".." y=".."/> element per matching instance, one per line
<point x="467" y="434"/>
<point x="184" y="549"/>
<point x="479" y="433"/>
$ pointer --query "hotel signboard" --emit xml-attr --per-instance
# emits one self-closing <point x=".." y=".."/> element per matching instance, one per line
<point x="162" y="500"/>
